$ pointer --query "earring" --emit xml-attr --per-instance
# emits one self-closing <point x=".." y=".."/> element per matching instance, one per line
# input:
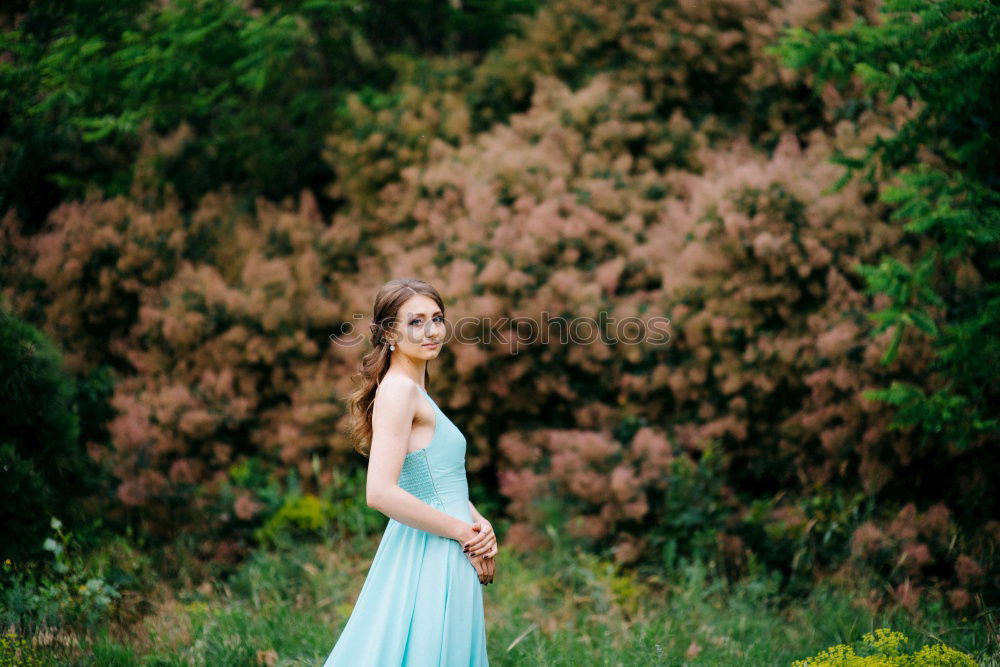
<point x="392" y="348"/>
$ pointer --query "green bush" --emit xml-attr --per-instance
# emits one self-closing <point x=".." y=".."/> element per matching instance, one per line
<point x="65" y="592"/>
<point x="349" y="507"/>
<point x="15" y="651"/>
<point x="340" y="511"/>
<point x="937" y="289"/>
<point x="221" y="92"/>
<point x="692" y="512"/>
<point x="43" y="466"/>
<point x="884" y="648"/>
<point x="809" y="535"/>
<point x="299" y="515"/>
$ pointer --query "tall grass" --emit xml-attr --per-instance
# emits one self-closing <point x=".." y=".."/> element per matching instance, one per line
<point x="286" y="606"/>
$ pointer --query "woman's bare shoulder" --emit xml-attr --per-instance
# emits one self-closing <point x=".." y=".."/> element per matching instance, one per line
<point x="396" y="390"/>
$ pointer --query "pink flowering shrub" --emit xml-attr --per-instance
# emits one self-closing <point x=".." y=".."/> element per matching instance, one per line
<point x="219" y="319"/>
<point x="652" y="162"/>
<point x="639" y="498"/>
<point x="746" y="254"/>
<point x="707" y="59"/>
<point x="919" y="548"/>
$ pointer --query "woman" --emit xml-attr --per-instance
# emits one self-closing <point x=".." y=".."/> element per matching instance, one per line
<point x="422" y="601"/>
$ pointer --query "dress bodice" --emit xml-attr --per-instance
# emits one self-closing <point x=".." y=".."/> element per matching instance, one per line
<point x="436" y="472"/>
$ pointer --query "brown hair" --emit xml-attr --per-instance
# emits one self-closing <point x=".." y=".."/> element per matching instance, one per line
<point x="390" y="298"/>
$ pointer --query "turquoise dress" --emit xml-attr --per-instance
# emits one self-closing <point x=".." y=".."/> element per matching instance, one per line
<point x="421" y="603"/>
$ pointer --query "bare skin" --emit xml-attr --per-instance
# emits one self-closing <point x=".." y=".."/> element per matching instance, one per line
<point x="403" y="422"/>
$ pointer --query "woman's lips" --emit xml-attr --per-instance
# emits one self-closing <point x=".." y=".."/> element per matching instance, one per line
<point x="430" y="344"/>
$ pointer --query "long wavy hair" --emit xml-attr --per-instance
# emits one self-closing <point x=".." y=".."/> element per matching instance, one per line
<point x="385" y="315"/>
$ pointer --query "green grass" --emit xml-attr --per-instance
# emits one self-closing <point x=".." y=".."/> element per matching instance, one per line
<point x="562" y="607"/>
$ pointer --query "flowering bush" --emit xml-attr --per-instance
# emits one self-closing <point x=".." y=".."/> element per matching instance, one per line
<point x="883" y="648"/>
<point x="707" y="58"/>
<point x="772" y="348"/>
<point x="15" y="651"/>
<point x="917" y="547"/>
<point x="241" y="300"/>
<point x="653" y="162"/>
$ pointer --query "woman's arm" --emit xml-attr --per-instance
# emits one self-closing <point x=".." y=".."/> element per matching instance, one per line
<point x="406" y="508"/>
<point x="476" y="516"/>
<point x="392" y="417"/>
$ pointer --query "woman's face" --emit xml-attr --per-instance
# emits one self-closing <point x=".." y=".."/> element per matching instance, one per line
<point x="420" y="323"/>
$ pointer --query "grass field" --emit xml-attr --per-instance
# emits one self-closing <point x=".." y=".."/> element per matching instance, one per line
<point x="562" y="607"/>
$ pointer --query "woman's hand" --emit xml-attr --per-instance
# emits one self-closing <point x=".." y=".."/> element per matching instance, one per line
<point x="484" y="544"/>
<point x="485" y="568"/>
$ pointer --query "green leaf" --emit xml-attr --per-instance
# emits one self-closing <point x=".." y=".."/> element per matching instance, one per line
<point x="924" y="322"/>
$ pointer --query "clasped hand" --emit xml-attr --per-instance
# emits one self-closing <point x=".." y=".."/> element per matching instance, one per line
<point x="482" y="549"/>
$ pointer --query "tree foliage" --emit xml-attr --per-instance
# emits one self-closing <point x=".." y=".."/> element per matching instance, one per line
<point x="939" y="171"/>
<point x="44" y="468"/>
<point x="247" y="90"/>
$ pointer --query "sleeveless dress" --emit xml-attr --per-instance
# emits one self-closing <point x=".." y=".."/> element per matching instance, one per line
<point x="421" y="603"/>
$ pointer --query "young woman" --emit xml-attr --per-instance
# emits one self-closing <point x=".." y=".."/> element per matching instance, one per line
<point x="422" y="601"/>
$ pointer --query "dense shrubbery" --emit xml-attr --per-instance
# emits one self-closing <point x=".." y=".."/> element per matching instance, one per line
<point x="939" y="290"/>
<point x="705" y="59"/>
<point x="242" y="93"/>
<point x="772" y="350"/>
<point x="241" y="300"/>
<point x="650" y="163"/>
<point x="44" y="468"/>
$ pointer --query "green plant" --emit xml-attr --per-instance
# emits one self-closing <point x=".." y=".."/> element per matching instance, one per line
<point x="44" y="465"/>
<point x="349" y="509"/>
<point x="884" y="648"/>
<point x="695" y="511"/>
<point x="15" y="651"/>
<point x="273" y="512"/>
<point x="803" y="536"/>
<point x="83" y="598"/>
<point x="61" y="593"/>
<point x="940" y="173"/>
<point x="300" y="515"/>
